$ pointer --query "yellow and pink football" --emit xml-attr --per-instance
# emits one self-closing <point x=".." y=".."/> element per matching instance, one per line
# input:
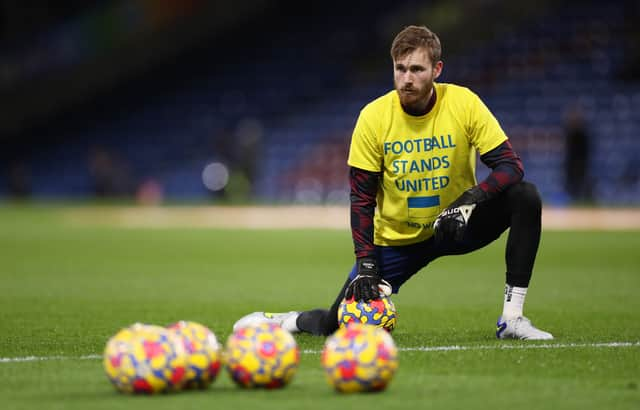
<point x="203" y="353"/>
<point x="359" y="358"/>
<point x="262" y="356"/>
<point x="379" y="312"/>
<point x="145" y="359"/>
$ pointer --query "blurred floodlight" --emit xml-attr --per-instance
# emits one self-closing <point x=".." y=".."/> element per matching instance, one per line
<point x="215" y="176"/>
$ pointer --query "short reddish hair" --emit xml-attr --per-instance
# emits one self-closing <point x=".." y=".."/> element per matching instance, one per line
<point x="414" y="37"/>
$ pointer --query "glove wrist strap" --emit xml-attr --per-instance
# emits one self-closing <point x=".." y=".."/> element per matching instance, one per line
<point x="367" y="266"/>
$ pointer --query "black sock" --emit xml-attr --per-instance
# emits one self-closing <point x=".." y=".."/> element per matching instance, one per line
<point x="524" y="234"/>
<point x="315" y="322"/>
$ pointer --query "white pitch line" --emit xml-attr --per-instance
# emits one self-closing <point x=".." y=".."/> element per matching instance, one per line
<point x="519" y="346"/>
<point x="510" y="346"/>
<point x="47" y="358"/>
<point x="402" y="349"/>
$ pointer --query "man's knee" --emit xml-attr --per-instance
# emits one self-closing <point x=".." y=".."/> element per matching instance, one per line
<point x="525" y="195"/>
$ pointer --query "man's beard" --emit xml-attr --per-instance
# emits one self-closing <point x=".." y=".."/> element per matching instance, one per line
<point x="413" y="100"/>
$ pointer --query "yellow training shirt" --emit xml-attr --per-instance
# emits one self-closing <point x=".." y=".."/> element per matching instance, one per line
<point x="426" y="162"/>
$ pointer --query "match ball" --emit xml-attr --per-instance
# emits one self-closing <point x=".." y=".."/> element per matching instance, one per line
<point x="145" y="359"/>
<point x="203" y="353"/>
<point x="262" y="356"/>
<point x="359" y="358"/>
<point x="379" y="312"/>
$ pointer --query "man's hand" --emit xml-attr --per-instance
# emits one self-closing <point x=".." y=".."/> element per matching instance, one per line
<point x="452" y="222"/>
<point x="367" y="285"/>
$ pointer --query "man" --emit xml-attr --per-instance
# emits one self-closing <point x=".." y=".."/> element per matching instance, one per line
<point x="414" y="195"/>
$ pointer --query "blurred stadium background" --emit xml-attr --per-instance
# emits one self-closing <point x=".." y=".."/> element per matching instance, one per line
<point x="254" y="102"/>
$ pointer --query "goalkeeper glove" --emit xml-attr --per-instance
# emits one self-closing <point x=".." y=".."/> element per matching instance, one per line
<point x="451" y="224"/>
<point x="368" y="284"/>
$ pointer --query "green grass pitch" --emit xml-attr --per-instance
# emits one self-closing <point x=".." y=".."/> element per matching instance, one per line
<point x="65" y="289"/>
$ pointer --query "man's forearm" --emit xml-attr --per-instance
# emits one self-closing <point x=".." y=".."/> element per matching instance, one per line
<point x="364" y="188"/>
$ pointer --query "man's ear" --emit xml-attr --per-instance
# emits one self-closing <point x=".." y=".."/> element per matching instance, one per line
<point x="437" y="69"/>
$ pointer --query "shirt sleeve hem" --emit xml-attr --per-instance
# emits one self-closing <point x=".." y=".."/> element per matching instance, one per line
<point x="366" y="167"/>
<point x="494" y="146"/>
